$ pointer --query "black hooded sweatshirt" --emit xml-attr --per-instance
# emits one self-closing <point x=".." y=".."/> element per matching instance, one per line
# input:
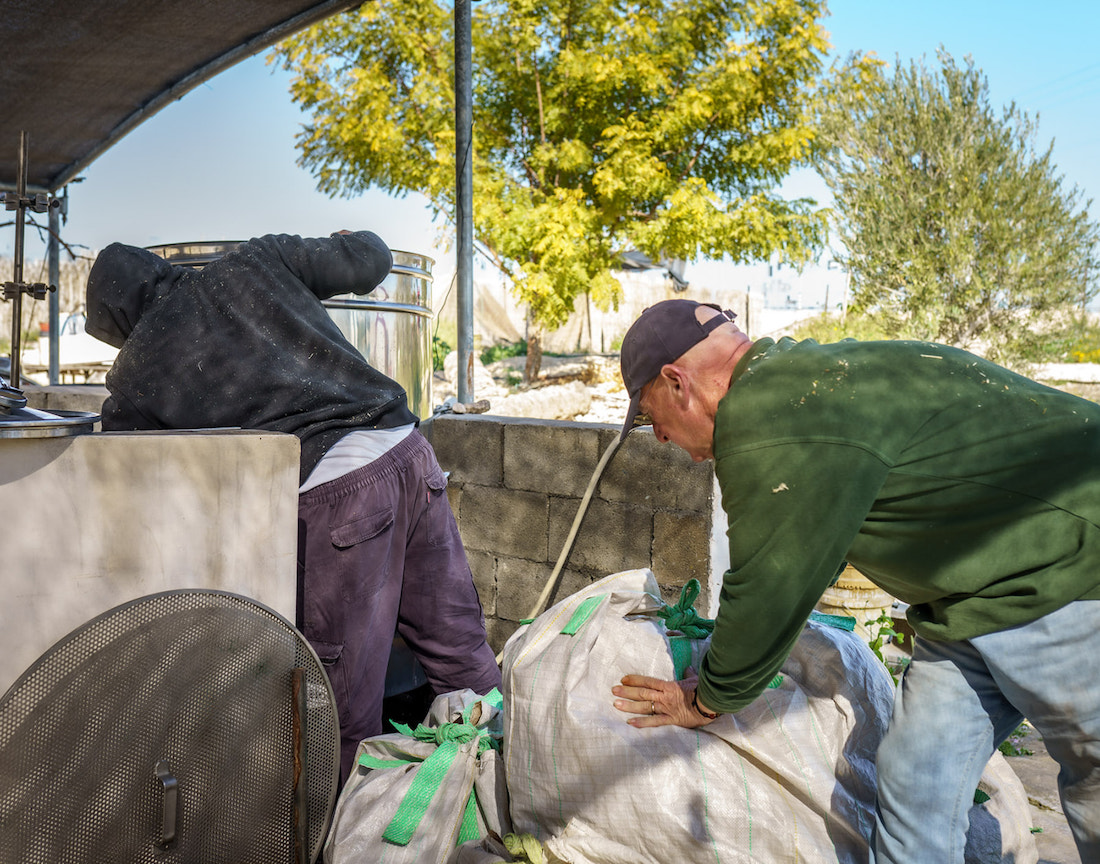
<point x="243" y="342"/>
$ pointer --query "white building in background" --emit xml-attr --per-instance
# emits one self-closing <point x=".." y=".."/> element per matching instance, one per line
<point x="768" y="300"/>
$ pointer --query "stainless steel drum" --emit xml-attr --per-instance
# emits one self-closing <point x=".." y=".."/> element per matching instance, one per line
<point x="391" y="326"/>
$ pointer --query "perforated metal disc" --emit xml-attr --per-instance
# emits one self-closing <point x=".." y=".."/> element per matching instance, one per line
<point x="169" y="730"/>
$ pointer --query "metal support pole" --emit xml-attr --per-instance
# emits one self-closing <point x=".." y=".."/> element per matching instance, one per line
<point x="17" y="270"/>
<point x="464" y="197"/>
<point x="53" y="256"/>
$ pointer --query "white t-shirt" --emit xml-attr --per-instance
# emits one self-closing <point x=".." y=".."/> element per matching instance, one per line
<point x="354" y="450"/>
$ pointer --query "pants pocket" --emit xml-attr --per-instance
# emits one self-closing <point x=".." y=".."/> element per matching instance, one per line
<point x="362" y="550"/>
<point x="438" y="510"/>
<point x="329" y="655"/>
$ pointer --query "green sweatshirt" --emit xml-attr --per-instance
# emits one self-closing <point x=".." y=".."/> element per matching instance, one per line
<point x="961" y="488"/>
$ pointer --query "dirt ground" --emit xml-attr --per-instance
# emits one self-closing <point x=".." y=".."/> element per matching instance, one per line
<point x="1086" y="391"/>
<point x="1039" y="775"/>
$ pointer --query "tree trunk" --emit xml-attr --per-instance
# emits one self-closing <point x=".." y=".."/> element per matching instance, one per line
<point x="534" y="355"/>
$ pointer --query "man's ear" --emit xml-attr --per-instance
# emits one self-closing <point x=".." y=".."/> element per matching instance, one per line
<point x="678" y="383"/>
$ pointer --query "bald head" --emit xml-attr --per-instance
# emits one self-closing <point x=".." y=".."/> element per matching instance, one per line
<point x="697" y="338"/>
<point x="719" y="352"/>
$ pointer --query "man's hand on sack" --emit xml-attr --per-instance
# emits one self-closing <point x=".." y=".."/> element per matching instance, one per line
<point x="660" y="703"/>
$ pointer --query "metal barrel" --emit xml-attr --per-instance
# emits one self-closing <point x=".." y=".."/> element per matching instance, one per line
<point x="391" y="327"/>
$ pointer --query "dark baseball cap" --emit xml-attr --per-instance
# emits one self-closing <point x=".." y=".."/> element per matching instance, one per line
<point x="662" y="334"/>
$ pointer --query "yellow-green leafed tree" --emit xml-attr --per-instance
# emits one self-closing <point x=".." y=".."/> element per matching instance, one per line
<point x="599" y="127"/>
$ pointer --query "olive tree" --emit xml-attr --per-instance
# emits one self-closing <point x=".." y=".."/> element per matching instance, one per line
<point x="953" y="226"/>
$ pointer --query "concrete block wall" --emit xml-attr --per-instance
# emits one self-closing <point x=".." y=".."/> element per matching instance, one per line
<point x="516" y="485"/>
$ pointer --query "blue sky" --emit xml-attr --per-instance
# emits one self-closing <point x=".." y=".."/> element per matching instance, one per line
<point x="219" y="164"/>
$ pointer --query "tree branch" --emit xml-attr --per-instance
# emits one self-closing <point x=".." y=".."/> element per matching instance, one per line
<point x="538" y="94"/>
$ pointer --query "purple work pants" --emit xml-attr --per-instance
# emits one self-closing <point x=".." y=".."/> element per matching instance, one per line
<point x="379" y="553"/>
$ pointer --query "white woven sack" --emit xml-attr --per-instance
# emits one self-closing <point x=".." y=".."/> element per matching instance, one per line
<point x="788" y="778"/>
<point x="487" y="850"/>
<point x="385" y="816"/>
<point x="1000" y="826"/>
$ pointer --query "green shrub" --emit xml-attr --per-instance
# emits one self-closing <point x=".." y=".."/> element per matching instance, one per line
<point x="1013" y="746"/>
<point x="1078" y="341"/>
<point x="507" y="349"/>
<point x="884" y="633"/>
<point x="27" y="339"/>
<point x="440" y="350"/>
<point x="832" y="328"/>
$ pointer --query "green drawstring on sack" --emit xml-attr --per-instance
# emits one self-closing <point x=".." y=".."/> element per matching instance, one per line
<point x="468" y="830"/>
<point x="583" y="612"/>
<point x="840" y="622"/>
<point x="690" y="625"/>
<point x="449" y="739"/>
<point x="682" y="617"/>
<point x="525" y="847"/>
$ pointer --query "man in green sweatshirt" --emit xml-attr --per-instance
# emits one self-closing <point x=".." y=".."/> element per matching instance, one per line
<point x="965" y="490"/>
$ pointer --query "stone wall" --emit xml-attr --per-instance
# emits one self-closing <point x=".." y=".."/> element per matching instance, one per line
<point x="516" y="485"/>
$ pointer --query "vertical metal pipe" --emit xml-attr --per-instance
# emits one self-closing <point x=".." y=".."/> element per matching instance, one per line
<point x="53" y="255"/>
<point x="17" y="274"/>
<point x="464" y="196"/>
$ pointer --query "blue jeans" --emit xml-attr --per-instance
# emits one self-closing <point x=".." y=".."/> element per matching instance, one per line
<point x="958" y="701"/>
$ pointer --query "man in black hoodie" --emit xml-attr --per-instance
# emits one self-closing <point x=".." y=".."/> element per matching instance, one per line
<point x="247" y="342"/>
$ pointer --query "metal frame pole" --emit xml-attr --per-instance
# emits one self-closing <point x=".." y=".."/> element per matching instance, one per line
<point x="17" y="268"/>
<point x="464" y="197"/>
<point x="53" y="256"/>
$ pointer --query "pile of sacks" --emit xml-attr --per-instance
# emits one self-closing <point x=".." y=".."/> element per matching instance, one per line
<point x="554" y="765"/>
